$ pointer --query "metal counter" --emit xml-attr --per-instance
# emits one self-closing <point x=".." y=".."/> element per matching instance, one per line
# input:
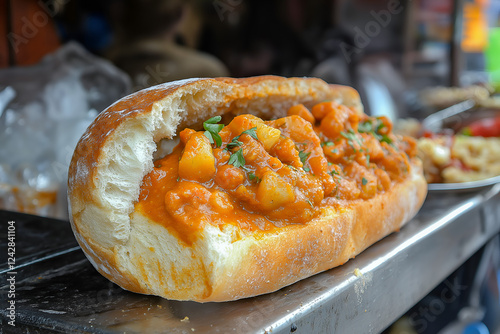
<point x="60" y="290"/>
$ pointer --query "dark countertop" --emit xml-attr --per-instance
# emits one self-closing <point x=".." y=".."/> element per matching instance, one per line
<point x="58" y="290"/>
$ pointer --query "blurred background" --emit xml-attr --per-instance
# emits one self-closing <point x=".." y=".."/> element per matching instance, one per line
<point x="64" y="61"/>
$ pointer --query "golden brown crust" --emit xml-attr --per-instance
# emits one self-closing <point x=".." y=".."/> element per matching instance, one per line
<point x="262" y="262"/>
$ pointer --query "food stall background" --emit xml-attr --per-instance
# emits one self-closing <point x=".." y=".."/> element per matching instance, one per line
<point x="64" y="61"/>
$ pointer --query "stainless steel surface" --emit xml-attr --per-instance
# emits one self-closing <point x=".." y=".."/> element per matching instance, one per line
<point x="458" y="116"/>
<point x="68" y="295"/>
<point x="464" y="186"/>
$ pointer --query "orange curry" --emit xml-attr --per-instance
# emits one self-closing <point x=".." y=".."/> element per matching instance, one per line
<point x="262" y="175"/>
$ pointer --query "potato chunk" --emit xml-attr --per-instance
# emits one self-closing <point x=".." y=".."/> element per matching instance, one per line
<point x="197" y="162"/>
<point x="267" y="135"/>
<point x="273" y="191"/>
<point x="243" y="122"/>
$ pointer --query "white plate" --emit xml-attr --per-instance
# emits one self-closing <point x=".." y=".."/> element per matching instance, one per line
<point x="464" y="186"/>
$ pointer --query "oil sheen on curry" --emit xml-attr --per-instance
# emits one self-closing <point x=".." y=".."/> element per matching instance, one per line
<point x="263" y="175"/>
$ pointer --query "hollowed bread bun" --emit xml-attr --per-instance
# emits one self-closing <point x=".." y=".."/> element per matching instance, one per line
<point x="116" y="152"/>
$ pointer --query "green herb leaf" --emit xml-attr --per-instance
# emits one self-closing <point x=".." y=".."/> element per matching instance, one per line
<point x="327" y="143"/>
<point x="237" y="159"/>
<point x="364" y="181"/>
<point x="351" y="137"/>
<point x="356" y="138"/>
<point x="367" y="159"/>
<point x="310" y="203"/>
<point x="234" y="143"/>
<point x="385" y="139"/>
<point x="209" y="136"/>
<point x="374" y="128"/>
<point x="212" y="130"/>
<point x="252" y="177"/>
<point x="303" y="156"/>
<point x="213" y="120"/>
<point x="380" y="126"/>
<point x="307" y="169"/>
<point x="365" y="127"/>
<point x="251" y="132"/>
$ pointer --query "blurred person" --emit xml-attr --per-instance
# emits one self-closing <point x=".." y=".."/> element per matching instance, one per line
<point x="264" y="37"/>
<point x="146" y="47"/>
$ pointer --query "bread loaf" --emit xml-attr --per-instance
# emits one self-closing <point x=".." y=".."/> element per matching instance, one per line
<point x="222" y="262"/>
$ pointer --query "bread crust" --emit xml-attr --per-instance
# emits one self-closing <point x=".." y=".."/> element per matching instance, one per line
<point x="140" y="255"/>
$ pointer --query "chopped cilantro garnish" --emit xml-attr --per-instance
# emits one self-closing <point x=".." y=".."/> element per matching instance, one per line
<point x="365" y="127"/>
<point x="351" y="138"/>
<point x="386" y="139"/>
<point x="380" y="126"/>
<point x="327" y="143"/>
<point x="353" y="134"/>
<point x="234" y="143"/>
<point x="252" y="177"/>
<point x="307" y="169"/>
<point x="364" y="181"/>
<point x="251" y="132"/>
<point x="303" y="156"/>
<point x="237" y="159"/>
<point x="371" y="126"/>
<point x="367" y="159"/>
<point x="212" y="130"/>
<point x="374" y="129"/>
<point x="310" y="203"/>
